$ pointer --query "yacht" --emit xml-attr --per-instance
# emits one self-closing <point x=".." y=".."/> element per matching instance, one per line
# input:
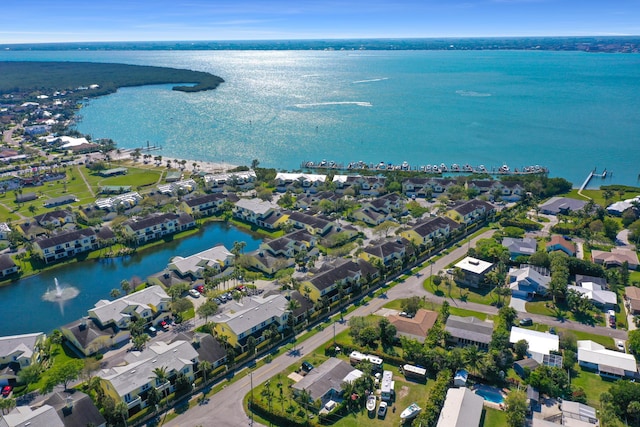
<point x="410" y="412"/>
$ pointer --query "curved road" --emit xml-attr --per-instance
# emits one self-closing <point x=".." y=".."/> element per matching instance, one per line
<point x="225" y="407"/>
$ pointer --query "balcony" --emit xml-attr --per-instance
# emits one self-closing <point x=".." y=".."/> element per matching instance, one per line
<point x="134" y="402"/>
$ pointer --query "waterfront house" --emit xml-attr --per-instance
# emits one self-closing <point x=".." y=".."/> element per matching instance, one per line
<point x="20" y="351"/>
<point x="217" y="259"/>
<point x="203" y="205"/>
<point x="156" y="226"/>
<point x="416" y="327"/>
<point x="360" y="185"/>
<point x="616" y="257"/>
<point x="266" y="262"/>
<point x="632" y="295"/>
<point x="561" y="205"/>
<point x="520" y="247"/>
<point x="291" y="244"/>
<point x="304" y="182"/>
<point x="559" y="243"/>
<point x="324" y="383"/>
<point x="90" y="337"/>
<point x="178" y="188"/>
<point x="426" y="232"/>
<point x="217" y="183"/>
<point x="59" y="201"/>
<point x="462" y="408"/>
<point x="463" y="331"/>
<point x="65" y="245"/>
<point x="55" y="219"/>
<point x="251" y="316"/>
<point x="150" y="304"/>
<point x="471" y="211"/>
<point x="474" y="270"/>
<point x="607" y="363"/>
<point x="261" y="213"/>
<point x="527" y="281"/>
<point x="332" y="276"/>
<point x="7" y="266"/>
<point x="130" y="383"/>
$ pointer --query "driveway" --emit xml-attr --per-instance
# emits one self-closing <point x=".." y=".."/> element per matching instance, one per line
<point x="518" y="304"/>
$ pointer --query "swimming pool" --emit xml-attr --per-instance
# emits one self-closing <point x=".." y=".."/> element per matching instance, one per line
<point x="490" y="394"/>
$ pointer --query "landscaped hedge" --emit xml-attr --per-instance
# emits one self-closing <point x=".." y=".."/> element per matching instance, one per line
<point x="277" y="417"/>
<point x="526" y="224"/>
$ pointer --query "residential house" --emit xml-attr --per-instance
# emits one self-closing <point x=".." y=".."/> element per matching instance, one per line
<point x="426" y="232"/>
<point x="525" y="366"/>
<point x="416" y="327"/>
<point x="26" y="197"/>
<point x="561" y="205"/>
<point x="616" y="257"/>
<point x="218" y="183"/>
<point x="520" y="247"/>
<point x="261" y="213"/>
<point x="632" y="295"/>
<point x="55" y="219"/>
<point x="607" y="363"/>
<point x="251" y="316"/>
<point x="381" y="209"/>
<point x="59" y="201"/>
<point x="360" y="185"/>
<point x="7" y="266"/>
<point x="341" y="273"/>
<point x="130" y="382"/>
<point x="474" y="270"/>
<point x="266" y="262"/>
<point x="305" y="307"/>
<point x="5" y="230"/>
<point x="463" y="331"/>
<point x="597" y="295"/>
<point x="178" y="188"/>
<point x="21" y="350"/>
<point x="148" y="304"/>
<point x="314" y="224"/>
<point x="307" y="200"/>
<point x="462" y="408"/>
<point x="540" y="344"/>
<point x="23" y="416"/>
<point x="156" y="226"/>
<point x="324" y="382"/>
<point x="582" y="278"/>
<point x="280" y="253"/>
<point x="217" y="260"/>
<point x="65" y="245"/>
<point x="121" y="201"/>
<point x="75" y="409"/>
<point x="203" y="205"/>
<point x="527" y="281"/>
<point x="108" y="173"/>
<point x="471" y="211"/>
<point x="559" y="243"/>
<point x="388" y="252"/>
<point x="91" y="337"/>
<point x="308" y="183"/>
<point x="209" y="349"/>
<point x="426" y="187"/>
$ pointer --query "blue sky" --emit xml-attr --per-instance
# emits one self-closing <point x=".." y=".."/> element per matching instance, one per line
<point x="30" y="21"/>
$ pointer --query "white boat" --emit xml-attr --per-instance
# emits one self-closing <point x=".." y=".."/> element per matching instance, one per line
<point x="411" y="411"/>
<point x="371" y="403"/>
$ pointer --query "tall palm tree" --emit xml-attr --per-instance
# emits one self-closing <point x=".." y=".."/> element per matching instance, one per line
<point x="161" y="376"/>
<point x="205" y="366"/>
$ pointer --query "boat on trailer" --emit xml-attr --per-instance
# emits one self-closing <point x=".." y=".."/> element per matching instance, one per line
<point x="410" y="412"/>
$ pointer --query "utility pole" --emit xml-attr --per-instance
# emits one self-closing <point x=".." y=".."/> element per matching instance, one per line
<point x="251" y="403"/>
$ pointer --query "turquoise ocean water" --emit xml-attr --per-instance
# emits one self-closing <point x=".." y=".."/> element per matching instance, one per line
<point x="569" y="111"/>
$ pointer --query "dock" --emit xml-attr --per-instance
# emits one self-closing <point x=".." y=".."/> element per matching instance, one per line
<point x="592" y="174"/>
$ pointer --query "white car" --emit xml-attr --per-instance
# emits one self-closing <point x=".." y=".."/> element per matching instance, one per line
<point x="382" y="410"/>
<point x="620" y="346"/>
<point x="194" y="293"/>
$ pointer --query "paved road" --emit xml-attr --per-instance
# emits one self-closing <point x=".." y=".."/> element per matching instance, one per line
<point x="225" y="407"/>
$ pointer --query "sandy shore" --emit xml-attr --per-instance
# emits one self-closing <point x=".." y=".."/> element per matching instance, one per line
<point x="202" y="166"/>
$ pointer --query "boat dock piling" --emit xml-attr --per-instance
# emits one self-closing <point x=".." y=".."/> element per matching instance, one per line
<point x="592" y="174"/>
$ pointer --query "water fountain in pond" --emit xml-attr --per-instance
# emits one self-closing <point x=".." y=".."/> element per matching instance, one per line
<point x="60" y="293"/>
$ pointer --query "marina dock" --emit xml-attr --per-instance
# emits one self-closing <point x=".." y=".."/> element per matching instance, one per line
<point x="592" y="174"/>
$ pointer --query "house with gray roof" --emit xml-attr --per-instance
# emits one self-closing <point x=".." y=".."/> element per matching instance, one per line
<point x="55" y="218"/>
<point x="130" y="382"/>
<point x="561" y="205"/>
<point x="65" y="245"/>
<point x="326" y="282"/>
<point x="204" y="205"/>
<point x="217" y="183"/>
<point x="425" y="232"/>
<point x="307" y="182"/>
<point x="261" y="213"/>
<point x="462" y="408"/>
<point x="147" y="304"/>
<point x="90" y="337"/>
<point x="324" y="382"/>
<point x="527" y="281"/>
<point x="360" y="185"/>
<point x="7" y="266"/>
<point x="156" y="226"/>
<point x="520" y="247"/>
<point x="463" y="331"/>
<point x="75" y="409"/>
<point x="217" y="259"/>
<point x="22" y="416"/>
<point x="59" y="201"/>
<point x="23" y="350"/>
<point x="208" y="348"/>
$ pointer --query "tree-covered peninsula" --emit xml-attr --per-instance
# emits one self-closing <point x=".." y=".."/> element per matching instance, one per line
<point x="96" y="78"/>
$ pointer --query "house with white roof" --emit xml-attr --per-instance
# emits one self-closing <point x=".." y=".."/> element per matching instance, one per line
<point x="307" y="182"/>
<point x="462" y="408"/>
<point x="217" y="259"/>
<point x="21" y="350"/>
<point x="126" y="201"/>
<point x="540" y="343"/>
<point x="23" y="416"/>
<point x="527" y="281"/>
<point x="130" y="382"/>
<point x="262" y="213"/>
<point x="597" y="295"/>
<point x="147" y="304"/>
<point x="5" y="230"/>
<point x="474" y="271"/>
<point x="250" y="317"/>
<point x="607" y="363"/>
<point x="216" y="183"/>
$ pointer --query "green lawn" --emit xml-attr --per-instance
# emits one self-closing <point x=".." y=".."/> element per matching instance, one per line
<point x="493" y="418"/>
<point x="455" y="292"/>
<point x="546" y="308"/>
<point x="580" y="335"/>
<point x="397" y="305"/>
<point x="592" y="384"/>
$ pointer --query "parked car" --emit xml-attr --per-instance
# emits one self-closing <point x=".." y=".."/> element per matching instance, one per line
<point x="6" y="390"/>
<point x="526" y="321"/>
<point x="152" y="331"/>
<point x="306" y="366"/>
<point x="620" y="346"/>
<point x="194" y="293"/>
<point x="382" y="410"/>
<point x="200" y="289"/>
<point x="164" y="325"/>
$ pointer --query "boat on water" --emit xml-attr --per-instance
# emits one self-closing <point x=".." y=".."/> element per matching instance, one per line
<point x="410" y="412"/>
<point x="371" y="403"/>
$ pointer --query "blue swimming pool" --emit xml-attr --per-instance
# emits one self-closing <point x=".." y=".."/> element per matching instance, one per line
<point x="490" y="394"/>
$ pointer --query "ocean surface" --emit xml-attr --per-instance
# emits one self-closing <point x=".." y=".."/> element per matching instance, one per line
<point x="568" y="111"/>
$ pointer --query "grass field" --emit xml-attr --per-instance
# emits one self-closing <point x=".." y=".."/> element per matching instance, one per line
<point x="592" y="384"/>
<point x="493" y="418"/>
<point x="455" y="292"/>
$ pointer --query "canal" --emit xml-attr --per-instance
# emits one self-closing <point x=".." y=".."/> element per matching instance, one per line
<point x="24" y="311"/>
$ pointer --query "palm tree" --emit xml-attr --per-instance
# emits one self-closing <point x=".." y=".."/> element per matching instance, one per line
<point x="162" y="377"/>
<point x="471" y="355"/>
<point x="205" y="367"/>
